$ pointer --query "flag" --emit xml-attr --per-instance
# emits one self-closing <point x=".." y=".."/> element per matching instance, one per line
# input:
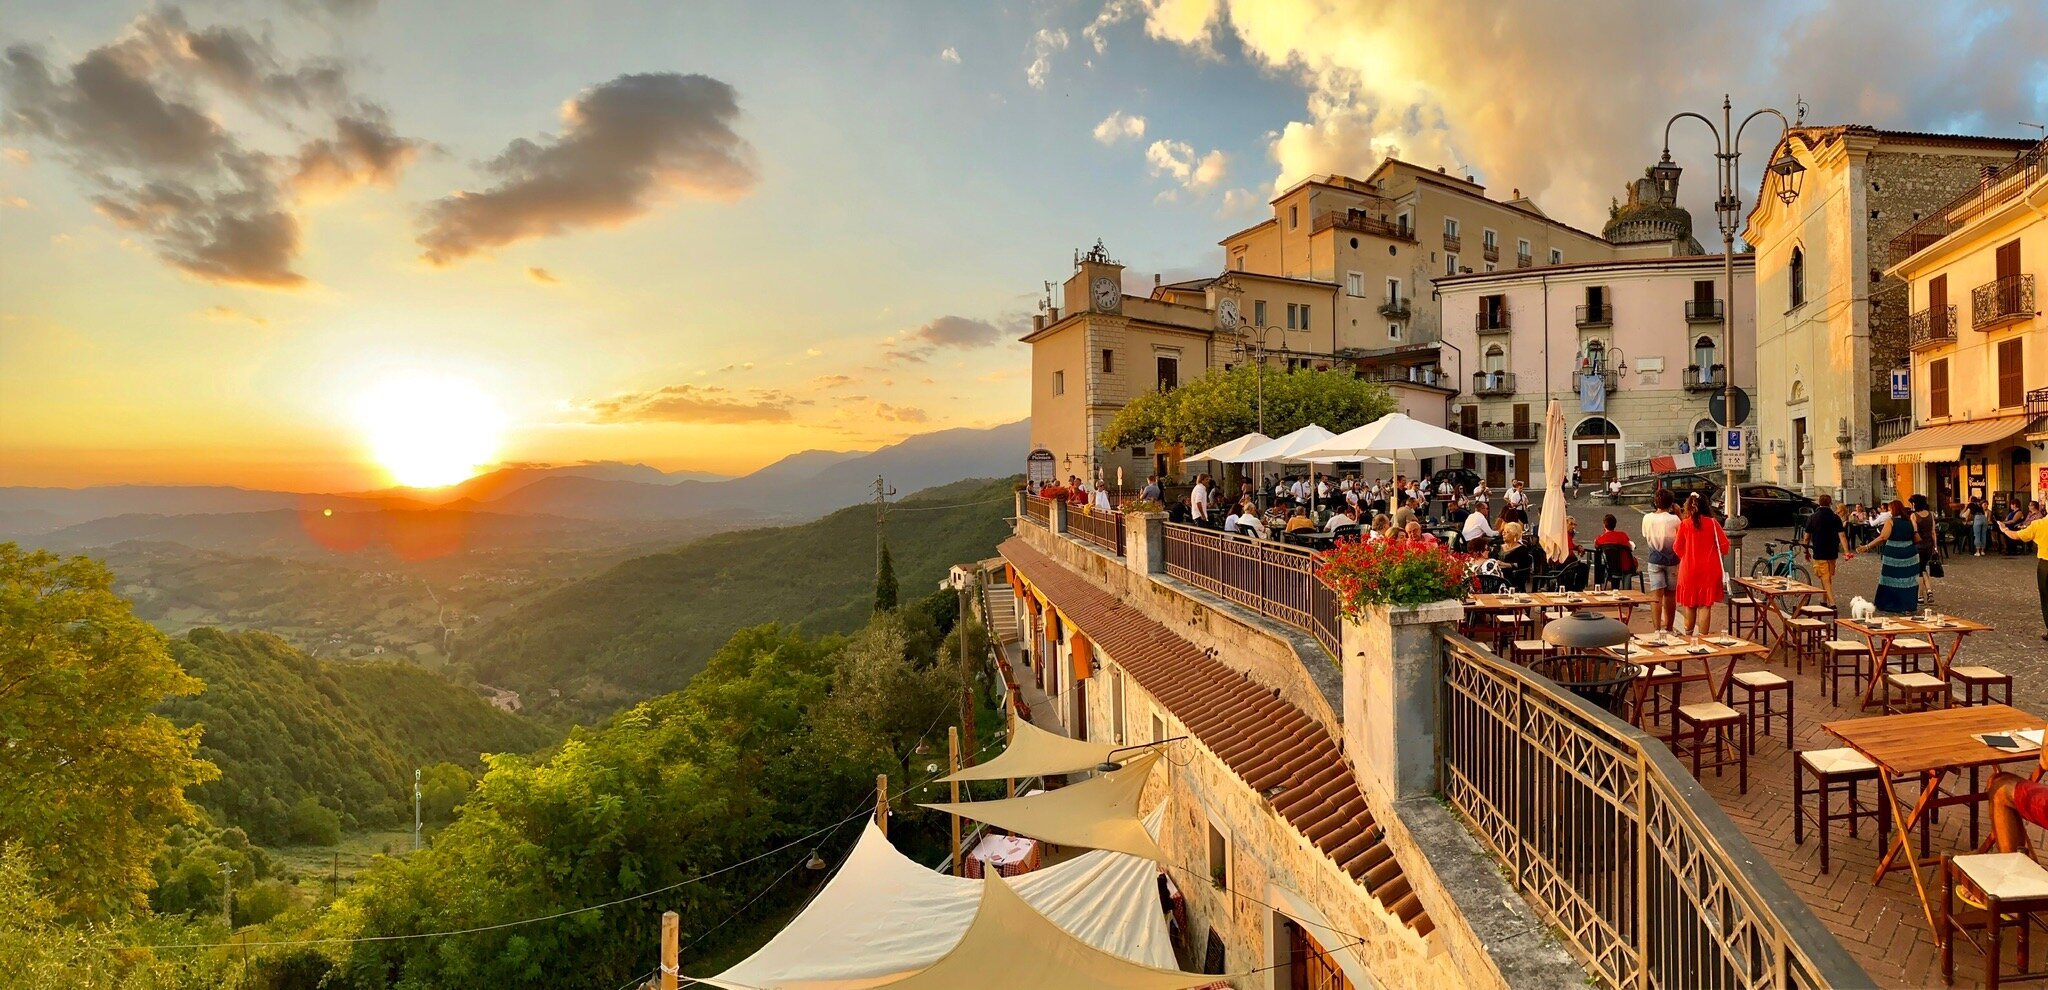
<point x="1663" y="465"/>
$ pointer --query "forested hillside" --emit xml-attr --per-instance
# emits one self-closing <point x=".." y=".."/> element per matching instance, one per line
<point x="282" y="726"/>
<point x="647" y="625"/>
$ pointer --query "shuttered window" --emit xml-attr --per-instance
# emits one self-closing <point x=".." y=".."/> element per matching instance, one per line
<point x="2011" y="390"/>
<point x="1937" y="387"/>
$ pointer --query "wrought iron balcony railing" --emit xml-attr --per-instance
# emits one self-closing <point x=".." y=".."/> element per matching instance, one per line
<point x="1703" y="311"/>
<point x="1395" y="309"/>
<point x="1931" y="326"/>
<point x="2002" y="301"/>
<point x="1491" y="322"/>
<point x="1453" y="243"/>
<point x="1493" y="383"/>
<point x="1523" y="261"/>
<point x="1591" y="315"/>
<point x="1607" y="375"/>
<point x="1713" y="378"/>
<point x="1490" y="252"/>
<point x="1491" y="432"/>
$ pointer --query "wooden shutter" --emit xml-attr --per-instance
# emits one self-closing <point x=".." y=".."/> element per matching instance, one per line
<point x="1521" y="421"/>
<point x="1937" y="387"/>
<point x="1468" y="420"/>
<point x="2011" y="391"/>
<point x="1083" y="656"/>
<point x="1937" y="304"/>
<point x="2008" y="259"/>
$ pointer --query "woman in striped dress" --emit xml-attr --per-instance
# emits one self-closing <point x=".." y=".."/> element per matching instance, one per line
<point x="1898" y="586"/>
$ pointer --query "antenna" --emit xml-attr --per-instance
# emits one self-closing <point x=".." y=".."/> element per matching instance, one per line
<point x="2043" y="128"/>
<point x="1798" y="109"/>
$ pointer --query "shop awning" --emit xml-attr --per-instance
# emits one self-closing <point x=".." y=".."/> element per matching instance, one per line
<point x="1939" y="444"/>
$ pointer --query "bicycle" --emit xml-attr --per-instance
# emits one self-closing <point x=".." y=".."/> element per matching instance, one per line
<point x="1783" y="563"/>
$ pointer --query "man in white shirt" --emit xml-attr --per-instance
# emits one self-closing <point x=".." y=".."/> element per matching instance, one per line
<point x="1478" y="531"/>
<point x="1516" y="496"/>
<point x="1246" y="521"/>
<point x="1348" y="516"/>
<point x="1199" y="500"/>
<point x="1322" y="487"/>
<point x="1659" y="566"/>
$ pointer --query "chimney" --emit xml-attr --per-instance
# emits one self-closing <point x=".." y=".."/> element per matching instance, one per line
<point x="1472" y="179"/>
<point x="1518" y="192"/>
<point x="1037" y="322"/>
<point x="1440" y="170"/>
<point x="1155" y="280"/>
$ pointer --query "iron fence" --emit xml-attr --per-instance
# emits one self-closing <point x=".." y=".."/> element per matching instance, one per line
<point x="1930" y="326"/>
<point x="2002" y="300"/>
<point x="1038" y="510"/>
<point x="1604" y="831"/>
<point x="1105" y="530"/>
<point x="1996" y="187"/>
<point x="1275" y="580"/>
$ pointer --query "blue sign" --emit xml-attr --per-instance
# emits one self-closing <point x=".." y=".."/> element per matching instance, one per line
<point x="1901" y="383"/>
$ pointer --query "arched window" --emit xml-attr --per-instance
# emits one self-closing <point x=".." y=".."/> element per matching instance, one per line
<point x="1796" y="272"/>
<point x="1703" y="353"/>
<point x="1595" y="428"/>
<point x="1596" y="357"/>
<point x="1705" y="435"/>
<point x="1496" y="358"/>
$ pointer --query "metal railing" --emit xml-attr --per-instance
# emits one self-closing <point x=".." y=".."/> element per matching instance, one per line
<point x="1493" y="383"/>
<point x="1708" y="379"/>
<point x="2037" y="403"/>
<point x="1453" y="243"/>
<point x="1361" y="221"/>
<point x="1703" y="311"/>
<point x="1508" y="431"/>
<point x="1490" y="252"/>
<point x="1993" y="189"/>
<point x="1934" y="325"/>
<point x="1408" y="374"/>
<point x="1038" y="510"/>
<point x="1590" y="315"/>
<point x="1607" y="376"/>
<point x="1494" y="322"/>
<point x="1524" y="261"/>
<point x="1395" y="309"/>
<point x="1105" y="530"/>
<point x="1275" y="580"/>
<point x="1602" y="829"/>
<point x="2001" y="301"/>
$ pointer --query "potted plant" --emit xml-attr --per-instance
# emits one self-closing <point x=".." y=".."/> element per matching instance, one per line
<point x="1396" y="573"/>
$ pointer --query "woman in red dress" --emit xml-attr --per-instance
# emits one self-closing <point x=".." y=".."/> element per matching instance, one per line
<point x="1699" y="546"/>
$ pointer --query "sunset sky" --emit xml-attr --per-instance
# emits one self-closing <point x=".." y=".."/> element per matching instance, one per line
<point x="707" y="235"/>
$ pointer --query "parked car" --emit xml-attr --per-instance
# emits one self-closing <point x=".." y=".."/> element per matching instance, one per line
<point x="1456" y="476"/>
<point x="1774" y="505"/>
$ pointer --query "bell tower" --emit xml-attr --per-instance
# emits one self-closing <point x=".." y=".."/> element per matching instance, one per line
<point x="1097" y="285"/>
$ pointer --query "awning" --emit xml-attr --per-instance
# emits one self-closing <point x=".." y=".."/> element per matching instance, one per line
<point x="1100" y="813"/>
<point x="1035" y="752"/>
<point x="1939" y="444"/>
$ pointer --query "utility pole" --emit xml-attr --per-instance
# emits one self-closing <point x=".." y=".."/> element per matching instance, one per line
<point x="227" y="896"/>
<point x="882" y="802"/>
<point x="953" y="760"/>
<point x="670" y="967"/>
<point x="882" y="494"/>
<point x="415" y="808"/>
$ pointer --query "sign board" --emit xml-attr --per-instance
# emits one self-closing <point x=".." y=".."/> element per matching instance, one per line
<point x="1902" y="381"/>
<point x="1041" y="469"/>
<point x="1736" y="450"/>
<point x="1717" y="407"/>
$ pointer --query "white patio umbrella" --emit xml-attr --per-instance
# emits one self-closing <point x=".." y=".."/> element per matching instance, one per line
<point x="1288" y="449"/>
<point x="1550" y="525"/>
<point x="1232" y="451"/>
<point x="1399" y="437"/>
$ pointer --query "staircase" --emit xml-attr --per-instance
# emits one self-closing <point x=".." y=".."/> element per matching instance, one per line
<point x="1002" y="612"/>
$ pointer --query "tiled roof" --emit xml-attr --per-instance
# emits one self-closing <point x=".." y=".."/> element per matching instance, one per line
<point x="1264" y="740"/>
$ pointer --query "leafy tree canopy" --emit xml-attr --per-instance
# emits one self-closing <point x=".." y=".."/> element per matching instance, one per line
<point x="1223" y="405"/>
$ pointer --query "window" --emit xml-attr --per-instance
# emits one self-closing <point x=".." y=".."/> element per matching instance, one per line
<point x="2010" y="391"/>
<point x="1937" y="388"/>
<point x="1496" y="358"/>
<point x="1304" y="316"/>
<point x="1450" y="264"/>
<point x="1293" y="217"/>
<point x="1291" y="308"/>
<point x="1169" y="373"/>
<point x="1393" y="292"/>
<point x="1405" y="222"/>
<point x="1059" y="383"/>
<point x="1450" y="226"/>
<point x="1522" y="247"/>
<point x="1556" y="256"/>
<point x="1354" y="283"/>
<point x="1796" y="274"/>
<point x="1490" y="266"/>
<point x="1158" y="727"/>
<point x="1219" y="857"/>
<point x="1703" y="353"/>
<point x="1490" y="239"/>
<point x="1596" y="357"/>
<point x="1108" y="361"/>
<point x="1258" y="312"/>
<point x="1705" y="435"/>
<point x="1493" y="311"/>
<point x="1237" y="260"/>
<point x="1393" y="331"/>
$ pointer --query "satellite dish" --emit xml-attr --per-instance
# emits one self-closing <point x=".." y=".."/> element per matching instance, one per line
<point x="1717" y="407"/>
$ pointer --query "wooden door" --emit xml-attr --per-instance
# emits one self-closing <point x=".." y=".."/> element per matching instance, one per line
<point x="2008" y="260"/>
<point x="1309" y="966"/>
<point x="1079" y="727"/>
<point x="1799" y="450"/>
<point x="1594" y="461"/>
<point x="1937" y="304"/>
<point x="1522" y="422"/>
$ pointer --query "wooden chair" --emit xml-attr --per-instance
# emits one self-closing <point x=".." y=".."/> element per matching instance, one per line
<point x="1843" y="659"/>
<point x="1754" y="693"/>
<point x="1916" y="692"/>
<point x="1724" y="725"/>
<point x="1995" y="890"/>
<point x="1977" y="683"/>
<point x="1835" y="773"/>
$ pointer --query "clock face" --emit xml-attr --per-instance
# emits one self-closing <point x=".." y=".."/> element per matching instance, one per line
<point x="1107" y="295"/>
<point x="1226" y="314"/>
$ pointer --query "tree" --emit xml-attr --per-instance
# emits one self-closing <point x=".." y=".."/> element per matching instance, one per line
<point x="1223" y="405"/>
<point x="885" y="582"/>
<point x="314" y="824"/>
<point x="443" y="786"/>
<point x="90" y="778"/>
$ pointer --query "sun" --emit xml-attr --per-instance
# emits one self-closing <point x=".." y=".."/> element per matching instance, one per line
<point x="427" y="430"/>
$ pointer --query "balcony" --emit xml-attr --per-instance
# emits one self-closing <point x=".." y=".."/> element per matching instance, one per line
<point x="1523" y="261"/>
<point x="1493" y="322"/>
<point x="1395" y="309"/>
<point x="1453" y="243"/>
<point x="1420" y="374"/>
<point x="1509" y="432"/>
<point x="1362" y="221"/>
<point x="1931" y="327"/>
<point x="1703" y="311"/>
<point x="1709" y="379"/>
<point x="1493" y="383"/>
<point x="1490" y="252"/>
<point x="1606" y="375"/>
<point x="2001" y="301"/>
<point x="2037" y="403"/>
<point x="1591" y="315"/>
<point x="1999" y="187"/>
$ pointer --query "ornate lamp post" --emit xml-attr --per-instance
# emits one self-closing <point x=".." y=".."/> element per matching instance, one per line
<point x="1728" y="212"/>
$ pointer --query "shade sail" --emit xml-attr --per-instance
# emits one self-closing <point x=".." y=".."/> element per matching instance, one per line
<point x="1035" y="752"/>
<point x="1290" y="447"/>
<point x="1100" y="813"/>
<point x="1009" y="946"/>
<point x="1398" y="436"/>
<point x="1942" y="444"/>
<point x="883" y="917"/>
<point x="1551" y="524"/>
<point x="1231" y="451"/>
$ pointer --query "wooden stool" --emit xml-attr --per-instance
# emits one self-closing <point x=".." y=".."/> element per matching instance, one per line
<point x="1522" y="651"/>
<point x="1843" y="658"/>
<point x="1726" y="725"/>
<point x="1655" y="680"/>
<point x="1825" y="613"/>
<point x="1909" y="655"/>
<point x="1834" y="772"/>
<point x="1921" y="691"/>
<point x="1746" y="618"/>
<point x="1978" y="683"/>
<point x="1994" y="890"/>
<point x="1805" y="635"/>
<point x="1757" y="687"/>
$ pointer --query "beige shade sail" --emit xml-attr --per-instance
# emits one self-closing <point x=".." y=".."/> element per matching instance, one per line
<point x="1551" y="524"/>
<point x="1035" y="752"/>
<point x="1009" y="946"/>
<point x="1101" y="813"/>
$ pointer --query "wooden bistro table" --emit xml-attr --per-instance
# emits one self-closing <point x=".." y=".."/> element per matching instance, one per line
<point x="1880" y="631"/>
<point x="1771" y="591"/>
<point x="1929" y="745"/>
<point x="1681" y="652"/>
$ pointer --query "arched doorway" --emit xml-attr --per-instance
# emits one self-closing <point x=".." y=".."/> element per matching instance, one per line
<point x="1596" y="449"/>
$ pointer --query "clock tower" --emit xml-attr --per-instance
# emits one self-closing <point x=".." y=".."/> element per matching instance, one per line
<point x="1097" y="285"/>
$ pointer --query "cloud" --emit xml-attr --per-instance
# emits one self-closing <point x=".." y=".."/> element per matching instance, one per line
<point x="1178" y="161"/>
<point x="627" y="147"/>
<point x="811" y="352"/>
<point x="229" y="314"/>
<point x="542" y="275"/>
<point x="898" y="414"/>
<point x="693" y="404"/>
<point x="950" y="54"/>
<point x="1535" y="113"/>
<point x="1183" y="22"/>
<point x="139" y="121"/>
<point x="17" y="202"/>
<point x="1118" y="126"/>
<point x="831" y="381"/>
<point x="956" y="332"/>
<point x="1043" y="46"/>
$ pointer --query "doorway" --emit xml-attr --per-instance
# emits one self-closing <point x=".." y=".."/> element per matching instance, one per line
<point x="1079" y="728"/>
<point x="1596" y="450"/>
<point x="1309" y="966"/>
<point x="1799" y="451"/>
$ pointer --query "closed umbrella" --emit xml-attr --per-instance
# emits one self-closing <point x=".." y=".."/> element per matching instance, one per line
<point x="1551" y="525"/>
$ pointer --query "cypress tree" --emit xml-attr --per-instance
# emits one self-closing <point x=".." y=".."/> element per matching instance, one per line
<point x="885" y="582"/>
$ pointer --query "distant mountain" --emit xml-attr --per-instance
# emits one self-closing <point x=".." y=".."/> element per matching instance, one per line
<point x="511" y="478"/>
<point x="803" y="464"/>
<point x="646" y="625"/>
<point x="403" y="534"/>
<point x="29" y="510"/>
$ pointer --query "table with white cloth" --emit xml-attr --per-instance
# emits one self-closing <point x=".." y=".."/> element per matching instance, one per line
<point x="1009" y="854"/>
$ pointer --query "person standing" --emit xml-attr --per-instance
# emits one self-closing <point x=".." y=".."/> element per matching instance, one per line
<point x="1198" y="500"/>
<point x="1898" y="585"/>
<point x="1824" y="541"/>
<point x="1924" y="541"/>
<point x="1660" y="566"/>
<point x="1152" y="492"/>
<point x="2035" y="532"/>
<point x="1980" y="526"/>
<point x="1700" y="543"/>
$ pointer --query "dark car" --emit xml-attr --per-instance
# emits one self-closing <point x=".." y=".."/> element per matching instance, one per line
<point x="1681" y="485"/>
<point x="1773" y="505"/>
<point x="1456" y="476"/>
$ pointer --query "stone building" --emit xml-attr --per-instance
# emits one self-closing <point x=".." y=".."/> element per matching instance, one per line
<point x="1832" y="324"/>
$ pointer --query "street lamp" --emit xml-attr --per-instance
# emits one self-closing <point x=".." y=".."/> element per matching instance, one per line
<point x="1728" y="212"/>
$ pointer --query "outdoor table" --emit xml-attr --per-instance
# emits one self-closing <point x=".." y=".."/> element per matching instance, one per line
<point x="1880" y="631"/>
<point x="1623" y="603"/>
<point x="1769" y="590"/>
<point x="1929" y="745"/>
<point x="1678" y="652"/>
<point x="1010" y="855"/>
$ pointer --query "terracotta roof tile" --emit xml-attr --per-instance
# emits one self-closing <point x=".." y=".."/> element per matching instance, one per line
<point x="1264" y="740"/>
